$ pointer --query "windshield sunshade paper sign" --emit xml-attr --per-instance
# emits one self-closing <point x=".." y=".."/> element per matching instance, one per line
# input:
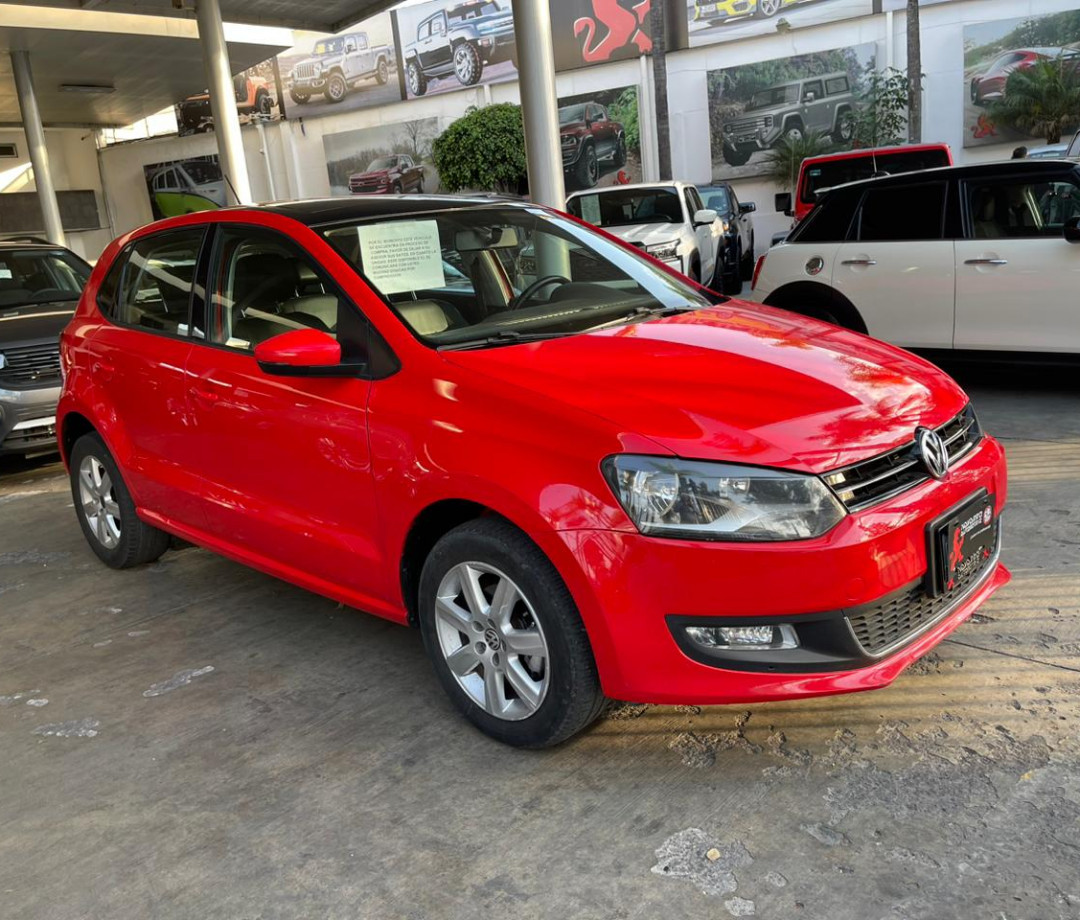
<point x="402" y="255"/>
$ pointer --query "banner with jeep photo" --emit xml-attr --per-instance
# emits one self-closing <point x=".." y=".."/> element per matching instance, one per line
<point x="446" y="46"/>
<point x="383" y="160"/>
<point x="764" y="115"/>
<point x="258" y="95"/>
<point x="325" y="74"/>
<point x="710" y="21"/>
<point x="1020" y="79"/>
<point x="185" y="186"/>
<point x="601" y="141"/>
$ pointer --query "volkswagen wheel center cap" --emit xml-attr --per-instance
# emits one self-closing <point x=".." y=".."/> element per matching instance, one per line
<point x="931" y="450"/>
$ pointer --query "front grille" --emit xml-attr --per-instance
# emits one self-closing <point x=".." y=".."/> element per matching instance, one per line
<point x="33" y="437"/>
<point x="365" y="185"/>
<point x="304" y="72"/>
<point x="864" y="484"/>
<point x="30" y="365"/>
<point x="899" y="618"/>
<point x="745" y="126"/>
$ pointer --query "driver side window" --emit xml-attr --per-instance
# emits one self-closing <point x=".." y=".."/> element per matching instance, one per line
<point x="263" y="285"/>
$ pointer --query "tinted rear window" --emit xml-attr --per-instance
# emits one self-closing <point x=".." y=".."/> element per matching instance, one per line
<point x="903" y="212"/>
<point x="820" y="176"/>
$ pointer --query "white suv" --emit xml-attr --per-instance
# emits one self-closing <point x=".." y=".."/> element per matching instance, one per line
<point x="968" y="257"/>
<point x="666" y="219"/>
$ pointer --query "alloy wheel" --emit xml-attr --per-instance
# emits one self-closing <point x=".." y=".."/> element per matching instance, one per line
<point x="492" y="641"/>
<point x="98" y="500"/>
<point x="769" y="7"/>
<point x="463" y="64"/>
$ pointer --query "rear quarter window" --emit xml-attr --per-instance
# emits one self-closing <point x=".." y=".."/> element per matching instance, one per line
<point x="903" y="212"/>
<point x="110" y="284"/>
<point x="829" y="222"/>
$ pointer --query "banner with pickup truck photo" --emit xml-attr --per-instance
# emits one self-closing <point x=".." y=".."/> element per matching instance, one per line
<point x="601" y="142"/>
<point x="357" y="68"/>
<point x="445" y="46"/>
<point x="763" y="114"/>
<point x="383" y="160"/>
<point x="258" y="95"/>
<point x="1021" y="82"/>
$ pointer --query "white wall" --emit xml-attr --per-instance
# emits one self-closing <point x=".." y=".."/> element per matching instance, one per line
<point x="296" y="148"/>
<point x="74" y="166"/>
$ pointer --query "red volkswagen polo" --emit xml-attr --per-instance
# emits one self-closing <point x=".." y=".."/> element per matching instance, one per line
<point x="582" y="476"/>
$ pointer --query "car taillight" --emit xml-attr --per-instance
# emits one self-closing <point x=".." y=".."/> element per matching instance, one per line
<point x="757" y="271"/>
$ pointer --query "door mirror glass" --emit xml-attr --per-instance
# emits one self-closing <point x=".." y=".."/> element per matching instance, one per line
<point x="747" y="207"/>
<point x="704" y="216"/>
<point x="782" y="203"/>
<point x="1071" y="230"/>
<point x="809" y="96"/>
<point x="301" y="352"/>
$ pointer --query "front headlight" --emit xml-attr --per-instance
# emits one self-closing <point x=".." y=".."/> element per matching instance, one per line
<point x="664" y="250"/>
<point x="697" y="500"/>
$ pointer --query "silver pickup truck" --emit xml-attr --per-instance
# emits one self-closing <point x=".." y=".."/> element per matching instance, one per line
<point x="336" y="65"/>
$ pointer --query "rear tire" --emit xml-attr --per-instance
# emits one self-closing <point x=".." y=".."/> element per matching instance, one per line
<point x="561" y="688"/>
<point x="733" y="282"/>
<point x="746" y="269"/>
<point x="382" y="73"/>
<point x="587" y="170"/>
<point x="415" y="78"/>
<point x="106" y="510"/>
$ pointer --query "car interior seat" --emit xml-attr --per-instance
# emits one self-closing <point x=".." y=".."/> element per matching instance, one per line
<point x="986" y="223"/>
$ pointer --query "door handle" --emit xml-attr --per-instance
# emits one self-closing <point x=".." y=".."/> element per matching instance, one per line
<point x="986" y="261"/>
<point x="859" y="262"/>
<point x="205" y="396"/>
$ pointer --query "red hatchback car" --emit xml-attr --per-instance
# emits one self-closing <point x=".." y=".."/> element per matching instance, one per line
<point x="582" y="476"/>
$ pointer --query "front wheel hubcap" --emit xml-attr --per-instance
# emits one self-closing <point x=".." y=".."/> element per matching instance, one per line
<point x="492" y="641"/>
<point x="98" y="500"/>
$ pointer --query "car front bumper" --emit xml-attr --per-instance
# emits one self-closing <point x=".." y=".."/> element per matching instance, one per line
<point x="722" y="9"/>
<point x="28" y="420"/>
<point x="637" y="593"/>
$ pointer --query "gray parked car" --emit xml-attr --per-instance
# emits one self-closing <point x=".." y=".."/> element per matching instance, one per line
<point x="40" y="285"/>
<point x="822" y="104"/>
<point x="336" y="65"/>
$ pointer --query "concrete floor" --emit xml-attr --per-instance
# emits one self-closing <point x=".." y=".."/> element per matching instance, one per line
<point x="194" y="739"/>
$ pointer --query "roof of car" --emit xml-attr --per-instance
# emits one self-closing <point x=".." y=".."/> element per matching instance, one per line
<point x="629" y="185"/>
<point x="864" y="152"/>
<point x="331" y="210"/>
<point x="1024" y="166"/>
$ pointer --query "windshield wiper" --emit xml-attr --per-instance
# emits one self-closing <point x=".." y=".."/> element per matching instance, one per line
<point x="502" y="337"/>
<point x="643" y="312"/>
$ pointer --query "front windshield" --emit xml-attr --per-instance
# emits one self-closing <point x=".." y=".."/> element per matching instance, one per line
<point x="31" y="276"/>
<point x="774" y="95"/>
<point x="569" y="114"/>
<point x="487" y="275"/>
<point x="620" y="207"/>
<point x="330" y="46"/>
<point x="382" y="163"/>
<point x="203" y="173"/>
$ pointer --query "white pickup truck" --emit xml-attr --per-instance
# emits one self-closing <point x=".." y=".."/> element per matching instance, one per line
<point x="666" y="219"/>
<point x="336" y="65"/>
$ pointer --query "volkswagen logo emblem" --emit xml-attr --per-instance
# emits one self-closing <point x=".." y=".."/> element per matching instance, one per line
<point x="933" y="453"/>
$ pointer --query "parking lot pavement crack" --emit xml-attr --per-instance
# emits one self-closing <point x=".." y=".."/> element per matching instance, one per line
<point x="995" y="651"/>
<point x="179" y="679"/>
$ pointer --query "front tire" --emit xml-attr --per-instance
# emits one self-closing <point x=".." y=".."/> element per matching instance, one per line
<point x="106" y="510"/>
<point x="845" y="127"/>
<point x="264" y="104"/>
<point x="298" y="97"/>
<point x="505" y="638"/>
<point x="336" y="88"/>
<point x="736" y="156"/>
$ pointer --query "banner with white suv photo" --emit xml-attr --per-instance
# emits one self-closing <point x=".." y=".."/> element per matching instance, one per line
<point x="760" y="114"/>
<point x="1014" y="69"/>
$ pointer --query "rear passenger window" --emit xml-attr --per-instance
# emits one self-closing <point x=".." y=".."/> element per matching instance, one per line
<point x="157" y="282"/>
<point x="829" y="221"/>
<point x="903" y="212"/>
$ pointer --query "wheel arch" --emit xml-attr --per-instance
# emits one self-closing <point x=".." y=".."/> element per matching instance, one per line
<point x="803" y="297"/>
<point x="73" y="427"/>
<point x="790" y="119"/>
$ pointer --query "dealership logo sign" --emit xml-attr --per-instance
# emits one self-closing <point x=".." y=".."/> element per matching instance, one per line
<point x="931" y="450"/>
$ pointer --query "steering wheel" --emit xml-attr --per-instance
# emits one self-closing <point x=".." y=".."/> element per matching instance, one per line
<point x="539" y="284"/>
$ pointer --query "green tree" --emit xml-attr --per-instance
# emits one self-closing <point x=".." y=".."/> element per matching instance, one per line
<point x="625" y="111"/>
<point x="1041" y="101"/>
<point x="881" y="117"/>
<point x="484" y="150"/>
<point x="783" y="162"/>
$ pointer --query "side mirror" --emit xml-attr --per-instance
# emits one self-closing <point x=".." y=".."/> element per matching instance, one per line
<point x="747" y="207"/>
<point x="809" y="96"/>
<point x="704" y="216"/>
<point x="1071" y="230"/>
<point x="782" y="203"/>
<point x="300" y="353"/>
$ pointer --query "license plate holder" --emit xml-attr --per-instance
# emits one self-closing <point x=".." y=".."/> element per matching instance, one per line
<point x="960" y="541"/>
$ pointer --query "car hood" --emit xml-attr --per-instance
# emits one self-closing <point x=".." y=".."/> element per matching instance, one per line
<point x="647" y="234"/>
<point x="740" y="382"/>
<point x="376" y="173"/>
<point x="31" y="322"/>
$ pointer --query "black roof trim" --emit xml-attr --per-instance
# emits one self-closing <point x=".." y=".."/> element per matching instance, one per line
<point x="361" y="207"/>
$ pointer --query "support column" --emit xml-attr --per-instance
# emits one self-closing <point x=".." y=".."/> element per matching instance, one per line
<point x="539" y="101"/>
<point x="35" y="142"/>
<point x="223" y="99"/>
